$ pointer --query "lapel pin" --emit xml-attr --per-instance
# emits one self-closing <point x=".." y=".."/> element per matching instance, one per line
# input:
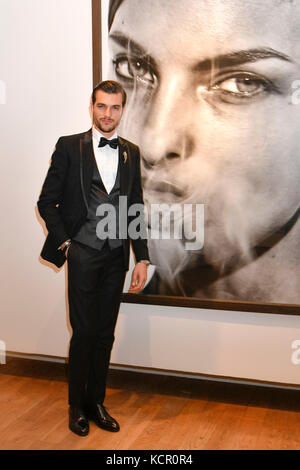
<point x="125" y="156"/>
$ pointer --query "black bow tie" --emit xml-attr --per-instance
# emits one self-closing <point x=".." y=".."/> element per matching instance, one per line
<point x="113" y="143"/>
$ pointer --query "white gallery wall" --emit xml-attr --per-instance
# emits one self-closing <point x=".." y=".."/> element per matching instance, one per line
<point x="45" y="85"/>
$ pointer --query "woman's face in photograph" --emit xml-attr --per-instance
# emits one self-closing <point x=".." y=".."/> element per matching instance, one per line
<point x="210" y="104"/>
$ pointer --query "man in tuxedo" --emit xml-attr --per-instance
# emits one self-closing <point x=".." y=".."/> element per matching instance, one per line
<point x="88" y="172"/>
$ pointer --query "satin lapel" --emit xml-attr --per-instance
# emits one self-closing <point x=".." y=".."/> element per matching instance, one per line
<point x="125" y="165"/>
<point x="86" y="165"/>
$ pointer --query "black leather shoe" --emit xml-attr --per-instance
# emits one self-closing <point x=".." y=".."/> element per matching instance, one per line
<point x="101" y="417"/>
<point x="78" y="422"/>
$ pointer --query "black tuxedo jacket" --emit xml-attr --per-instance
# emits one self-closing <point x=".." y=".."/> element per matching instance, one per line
<point x="64" y="199"/>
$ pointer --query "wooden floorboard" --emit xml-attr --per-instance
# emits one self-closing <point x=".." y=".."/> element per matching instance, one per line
<point x="154" y="412"/>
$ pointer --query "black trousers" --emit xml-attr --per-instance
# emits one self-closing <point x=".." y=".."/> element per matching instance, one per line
<point x="95" y="284"/>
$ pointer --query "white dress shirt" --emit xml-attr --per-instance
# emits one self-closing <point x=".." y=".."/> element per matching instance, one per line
<point x="107" y="160"/>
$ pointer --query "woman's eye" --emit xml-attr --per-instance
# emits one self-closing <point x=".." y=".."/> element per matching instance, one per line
<point x="122" y="68"/>
<point x="242" y="85"/>
<point x="130" y="69"/>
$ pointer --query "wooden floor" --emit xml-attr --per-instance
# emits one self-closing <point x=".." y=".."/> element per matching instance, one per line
<point x="154" y="412"/>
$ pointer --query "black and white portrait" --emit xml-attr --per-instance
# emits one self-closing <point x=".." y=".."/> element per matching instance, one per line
<point x="213" y="103"/>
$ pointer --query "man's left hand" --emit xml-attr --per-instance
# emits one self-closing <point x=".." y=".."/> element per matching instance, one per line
<point x="138" y="278"/>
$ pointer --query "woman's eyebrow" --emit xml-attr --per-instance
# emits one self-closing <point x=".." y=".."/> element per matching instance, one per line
<point x="220" y="61"/>
<point x="126" y="41"/>
<point x="241" y="57"/>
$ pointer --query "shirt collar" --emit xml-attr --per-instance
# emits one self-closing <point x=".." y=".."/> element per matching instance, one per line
<point x="97" y="135"/>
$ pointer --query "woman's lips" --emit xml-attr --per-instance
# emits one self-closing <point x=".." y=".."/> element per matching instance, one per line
<point x="157" y="182"/>
<point x="161" y="191"/>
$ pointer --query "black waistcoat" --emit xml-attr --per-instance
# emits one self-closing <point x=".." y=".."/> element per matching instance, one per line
<point x="98" y="228"/>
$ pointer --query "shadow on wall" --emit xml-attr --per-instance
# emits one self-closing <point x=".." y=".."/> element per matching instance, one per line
<point x="57" y="302"/>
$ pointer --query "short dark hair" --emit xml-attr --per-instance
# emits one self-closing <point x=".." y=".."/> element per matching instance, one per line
<point x="110" y="86"/>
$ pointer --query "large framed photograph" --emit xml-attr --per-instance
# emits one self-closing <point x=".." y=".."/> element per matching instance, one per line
<point x="213" y="92"/>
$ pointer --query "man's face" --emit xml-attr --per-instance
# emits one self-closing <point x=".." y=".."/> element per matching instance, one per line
<point x="107" y="112"/>
<point x="209" y="103"/>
